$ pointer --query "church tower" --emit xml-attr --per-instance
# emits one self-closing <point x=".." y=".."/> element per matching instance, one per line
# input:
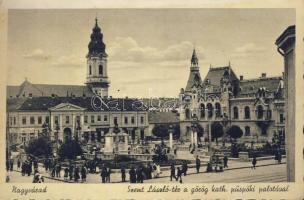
<point x="97" y="73"/>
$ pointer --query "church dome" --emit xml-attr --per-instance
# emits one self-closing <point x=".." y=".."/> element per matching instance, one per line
<point x="96" y="45"/>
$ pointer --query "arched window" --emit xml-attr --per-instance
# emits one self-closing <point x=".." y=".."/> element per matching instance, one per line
<point x="187" y="113"/>
<point x="247" y="130"/>
<point x="202" y="110"/>
<point x="235" y="112"/>
<point x="260" y="112"/>
<point x="90" y="70"/>
<point x="100" y="69"/>
<point x="247" y="112"/>
<point x="217" y="109"/>
<point x="210" y="110"/>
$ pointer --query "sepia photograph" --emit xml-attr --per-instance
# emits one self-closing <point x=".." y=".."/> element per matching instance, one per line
<point x="124" y="96"/>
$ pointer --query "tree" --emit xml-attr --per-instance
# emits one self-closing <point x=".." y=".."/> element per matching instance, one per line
<point x="41" y="146"/>
<point x="161" y="130"/>
<point x="235" y="132"/>
<point x="217" y="131"/>
<point x="70" y="149"/>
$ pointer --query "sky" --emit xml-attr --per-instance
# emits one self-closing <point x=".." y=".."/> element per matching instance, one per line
<point x="149" y="50"/>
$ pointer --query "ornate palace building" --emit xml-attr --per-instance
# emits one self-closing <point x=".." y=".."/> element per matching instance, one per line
<point x="255" y="105"/>
<point x="71" y="111"/>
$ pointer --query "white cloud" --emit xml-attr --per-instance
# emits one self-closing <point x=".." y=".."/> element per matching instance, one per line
<point x="72" y="61"/>
<point x="127" y="49"/>
<point x="37" y="54"/>
<point x="247" y="50"/>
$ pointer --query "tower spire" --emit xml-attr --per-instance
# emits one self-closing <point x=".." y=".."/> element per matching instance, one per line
<point x="194" y="60"/>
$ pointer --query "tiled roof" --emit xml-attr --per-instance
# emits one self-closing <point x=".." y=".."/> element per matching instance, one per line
<point x="14" y="103"/>
<point x="215" y="75"/>
<point x="45" y="103"/>
<point x="251" y="86"/>
<point x="194" y="79"/>
<point x="37" y="90"/>
<point x="163" y="117"/>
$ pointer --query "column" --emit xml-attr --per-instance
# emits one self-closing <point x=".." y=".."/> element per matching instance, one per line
<point x="195" y="138"/>
<point x="52" y="125"/>
<point x="171" y="141"/>
<point x="209" y="137"/>
<point x="74" y="132"/>
<point x="192" y="139"/>
<point x="60" y="133"/>
<point x="82" y="126"/>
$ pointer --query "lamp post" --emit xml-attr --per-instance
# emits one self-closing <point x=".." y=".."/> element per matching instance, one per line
<point x="171" y="137"/>
<point x="194" y="129"/>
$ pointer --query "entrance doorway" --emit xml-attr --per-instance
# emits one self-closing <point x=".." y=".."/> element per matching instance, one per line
<point x="67" y="134"/>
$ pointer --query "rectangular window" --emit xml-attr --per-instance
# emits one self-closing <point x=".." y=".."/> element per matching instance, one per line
<point x="11" y="121"/>
<point x="14" y="120"/>
<point x="126" y="120"/>
<point x="142" y="119"/>
<point x="23" y="120"/>
<point x="281" y="118"/>
<point x="85" y="119"/>
<point x="78" y="119"/>
<point x="132" y="120"/>
<point x="47" y="119"/>
<point x="23" y="138"/>
<point x="99" y="118"/>
<point x="56" y="120"/>
<point x="32" y="120"/>
<point x="92" y="119"/>
<point x="67" y="119"/>
<point x="39" y="120"/>
<point x="115" y="121"/>
<point x="105" y="118"/>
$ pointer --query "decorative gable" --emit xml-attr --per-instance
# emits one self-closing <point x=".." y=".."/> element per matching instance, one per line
<point x="66" y="107"/>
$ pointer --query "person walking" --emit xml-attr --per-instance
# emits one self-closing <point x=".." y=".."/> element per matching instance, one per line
<point x="123" y="174"/>
<point x="172" y="172"/>
<point x="71" y="170"/>
<point x="254" y="162"/>
<point x="18" y="164"/>
<point x="103" y="174"/>
<point x="179" y="175"/>
<point x="66" y="174"/>
<point x="132" y="175"/>
<point x="7" y="164"/>
<point x="279" y="158"/>
<point x="197" y="164"/>
<point x="225" y="160"/>
<point x="83" y="174"/>
<point x="149" y="169"/>
<point x="76" y="174"/>
<point x="11" y="164"/>
<point x="185" y="168"/>
<point x="139" y="175"/>
<point x="109" y="171"/>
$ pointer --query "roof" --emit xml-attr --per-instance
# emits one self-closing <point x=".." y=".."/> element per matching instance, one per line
<point x="250" y="86"/>
<point x="36" y="90"/>
<point x="45" y="103"/>
<point x="215" y="75"/>
<point x="163" y="117"/>
<point x="289" y="31"/>
<point x="194" y="79"/>
<point x="14" y="104"/>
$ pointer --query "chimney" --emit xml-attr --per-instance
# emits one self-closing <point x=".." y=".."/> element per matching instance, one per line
<point x="263" y="75"/>
<point x="241" y="77"/>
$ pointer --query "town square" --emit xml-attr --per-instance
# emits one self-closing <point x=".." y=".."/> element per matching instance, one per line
<point x="217" y="126"/>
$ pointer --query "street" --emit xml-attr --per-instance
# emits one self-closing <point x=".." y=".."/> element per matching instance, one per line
<point x="267" y="173"/>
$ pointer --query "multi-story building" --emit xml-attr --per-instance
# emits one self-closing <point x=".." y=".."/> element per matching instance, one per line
<point x="255" y="105"/>
<point x="75" y="111"/>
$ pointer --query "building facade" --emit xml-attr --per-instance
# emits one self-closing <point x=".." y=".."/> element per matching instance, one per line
<point x="254" y="105"/>
<point x="85" y="112"/>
